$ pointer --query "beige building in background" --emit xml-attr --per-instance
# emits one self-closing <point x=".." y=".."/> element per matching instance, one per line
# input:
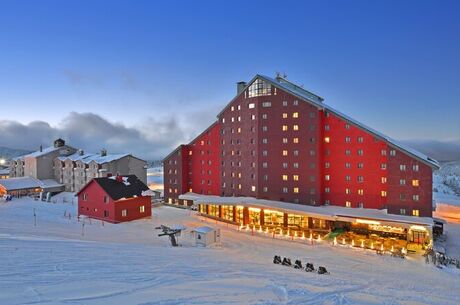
<point x="72" y="168"/>
<point x="78" y="169"/>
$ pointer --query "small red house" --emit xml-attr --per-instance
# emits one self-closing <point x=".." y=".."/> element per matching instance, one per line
<point x="115" y="199"/>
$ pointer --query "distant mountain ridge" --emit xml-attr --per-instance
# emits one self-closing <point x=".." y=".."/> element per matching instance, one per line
<point x="8" y="153"/>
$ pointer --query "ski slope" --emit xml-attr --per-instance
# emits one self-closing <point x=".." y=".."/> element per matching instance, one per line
<point x="62" y="261"/>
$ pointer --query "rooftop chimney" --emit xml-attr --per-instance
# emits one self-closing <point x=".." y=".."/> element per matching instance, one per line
<point x="41" y="148"/>
<point x="103" y="152"/>
<point x="240" y="87"/>
<point x="81" y="152"/>
<point x="59" y="143"/>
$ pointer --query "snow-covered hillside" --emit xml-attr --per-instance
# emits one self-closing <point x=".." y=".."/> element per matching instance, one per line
<point x="446" y="184"/>
<point x="62" y="261"/>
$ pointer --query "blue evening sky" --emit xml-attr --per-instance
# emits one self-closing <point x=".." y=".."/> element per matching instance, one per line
<point x="392" y="64"/>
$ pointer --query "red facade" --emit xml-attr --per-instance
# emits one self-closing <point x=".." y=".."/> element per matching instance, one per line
<point x="271" y="143"/>
<point x="95" y="203"/>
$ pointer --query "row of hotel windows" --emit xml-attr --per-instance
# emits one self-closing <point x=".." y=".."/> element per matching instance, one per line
<point x="360" y="192"/>
<point x="285" y="115"/>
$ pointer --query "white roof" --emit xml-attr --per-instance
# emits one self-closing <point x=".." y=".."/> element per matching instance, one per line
<point x="87" y="158"/>
<point x="203" y="230"/>
<point x="326" y="211"/>
<point x="20" y="183"/>
<point x="50" y="183"/>
<point x="4" y="171"/>
<point x="44" y="151"/>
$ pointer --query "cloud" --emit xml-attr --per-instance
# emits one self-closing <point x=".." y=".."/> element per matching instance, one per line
<point x="151" y="139"/>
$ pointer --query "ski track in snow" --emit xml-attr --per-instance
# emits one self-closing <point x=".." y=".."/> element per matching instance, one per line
<point x="53" y="263"/>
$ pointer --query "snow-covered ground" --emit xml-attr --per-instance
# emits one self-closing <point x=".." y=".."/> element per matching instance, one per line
<point x="62" y="261"/>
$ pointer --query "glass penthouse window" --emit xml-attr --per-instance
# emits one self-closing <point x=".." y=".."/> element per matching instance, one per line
<point x="259" y="88"/>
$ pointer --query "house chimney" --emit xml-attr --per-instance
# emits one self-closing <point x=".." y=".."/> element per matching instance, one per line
<point x="240" y="87"/>
<point x="59" y="143"/>
<point x="103" y="152"/>
<point x="81" y="152"/>
<point x="41" y="148"/>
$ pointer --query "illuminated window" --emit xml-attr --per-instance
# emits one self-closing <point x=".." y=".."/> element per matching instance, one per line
<point x="285" y="115"/>
<point x="415" y="213"/>
<point x="239" y="186"/>
<point x="285" y="152"/>
<point x="239" y="175"/>
<point x="383" y="152"/>
<point x="383" y="166"/>
<point x="383" y="193"/>
<point x="124" y="213"/>
<point x="239" y="119"/>
<point x="223" y="120"/>
<point x="295" y="115"/>
<point x="142" y="209"/>
<point x="415" y="182"/>
<point x="347" y="191"/>
<point x="384" y="180"/>
<point x="348" y="204"/>
<point x="327" y="139"/>
<point x="253" y="116"/>
<point x="295" y="140"/>
<point x="296" y="190"/>
<point x="361" y="192"/>
<point x="295" y="177"/>
<point x="285" y="177"/>
<point x="253" y="188"/>
<point x="239" y="107"/>
<point x="295" y="127"/>
<point x="232" y="108"/>
<point x="285" y="128"/>
<point x="239" y="129"/>
<point x="251" y="105"/>
<point x="327" y="177"/>
<point x="259" y="88"/>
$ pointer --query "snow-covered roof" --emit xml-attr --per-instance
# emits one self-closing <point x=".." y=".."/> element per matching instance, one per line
<point x="326" y="212"/>
<point x="50" y="183"/>
<point x="318" y="101"/>
<point x="4" y="171"/>
<point x="89" y="157"/>
<point x="20" y="183"/>
<point x="203" y="230"/>
<point x="44" y="151"/>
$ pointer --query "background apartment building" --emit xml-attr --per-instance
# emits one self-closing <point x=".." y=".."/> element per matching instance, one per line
<point x="73" y="168"/>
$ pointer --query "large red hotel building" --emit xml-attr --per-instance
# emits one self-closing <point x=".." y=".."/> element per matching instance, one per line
<point x="279" y="142"/>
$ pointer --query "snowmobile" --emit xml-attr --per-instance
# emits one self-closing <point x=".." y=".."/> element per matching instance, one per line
<point x="286" y="262"/>
<point x="277" y="260"/>
<point x="322" y="270"/>
<point x="298" y="264"/>
<point x="309" y="267"/>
